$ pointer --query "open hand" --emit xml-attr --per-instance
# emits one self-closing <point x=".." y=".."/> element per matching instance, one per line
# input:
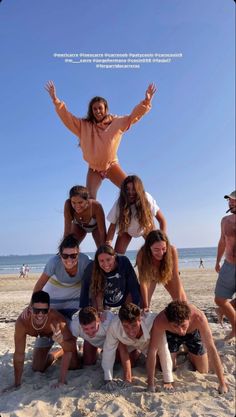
<point x="26" y="313"/>
<point x="50" y="88"/>
<point x="150" y="92"/>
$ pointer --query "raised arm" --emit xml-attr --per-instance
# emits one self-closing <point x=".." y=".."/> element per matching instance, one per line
<point x="174" y="286"/>
<point x="70" y="121"/>
<point x="140" y="110"/>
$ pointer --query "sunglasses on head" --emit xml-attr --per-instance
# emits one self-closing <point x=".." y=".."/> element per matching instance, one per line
<point x="40" y="310"/>
<point x="69" y="255"/>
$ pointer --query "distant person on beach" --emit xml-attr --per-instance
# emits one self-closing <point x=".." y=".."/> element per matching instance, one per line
<point x="130" y="333"/>
<point x="22" y="271"/>
<point x="27" y="269"/>
<point x="100" y="134"/>
<point x="133" y="214"/>
<point x="109" y="281"/>
<point x="157" y="263"/>
<point x="62" y="277"/>
<point x="201" y="265"/>
<point x="84" y="215"/>
<point x="184" y="323"/>
<point x="46" y="325"/>
<point x="226" y="283"/>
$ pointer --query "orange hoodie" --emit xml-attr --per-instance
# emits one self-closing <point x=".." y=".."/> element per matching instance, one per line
<point x="99" y="141"/>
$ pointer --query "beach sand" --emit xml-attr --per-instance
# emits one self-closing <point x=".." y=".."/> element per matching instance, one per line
<point x="195" y="394"/>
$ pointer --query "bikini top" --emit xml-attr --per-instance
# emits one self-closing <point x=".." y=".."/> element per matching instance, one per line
<point x="92" y="222"/>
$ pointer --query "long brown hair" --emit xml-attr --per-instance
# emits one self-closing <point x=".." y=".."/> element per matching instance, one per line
<point x="147" y="271"/>
<point x="90" y="116"/>
<point x="98" y="277"/>
<point x="143" y="209"/>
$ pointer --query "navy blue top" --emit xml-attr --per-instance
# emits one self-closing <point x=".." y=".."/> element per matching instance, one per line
<point x="118" y="284"/>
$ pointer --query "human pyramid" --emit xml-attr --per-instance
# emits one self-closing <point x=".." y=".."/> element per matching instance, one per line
<point x="103" y="302"/>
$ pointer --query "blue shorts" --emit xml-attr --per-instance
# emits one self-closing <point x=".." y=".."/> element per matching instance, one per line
<point x="225" y="285"/>
<point x="43" y="342"/>
<point x="191" y="340"/>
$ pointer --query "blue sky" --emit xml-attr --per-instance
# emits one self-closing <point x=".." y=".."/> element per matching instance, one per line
<point x="183" y="149"/>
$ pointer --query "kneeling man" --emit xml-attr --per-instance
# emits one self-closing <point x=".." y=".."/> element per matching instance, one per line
<point x="130" y="332"/>
<point x="47" y="325"/>
<point x="184" y="324"/>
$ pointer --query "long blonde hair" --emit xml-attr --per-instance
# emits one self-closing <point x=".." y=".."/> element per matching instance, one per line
<point x="143" y="209"/>
<point x="98" y="276"/>
<point x="147" y="271"/>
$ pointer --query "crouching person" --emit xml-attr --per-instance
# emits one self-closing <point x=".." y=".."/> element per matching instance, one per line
<point x="130" y="333"/>
<point x="46" y="325"/>
<point x="184" y="324"/>
<point x="88" y="325"/>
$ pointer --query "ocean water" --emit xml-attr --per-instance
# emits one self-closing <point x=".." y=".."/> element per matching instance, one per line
<point x="188" y="258"/>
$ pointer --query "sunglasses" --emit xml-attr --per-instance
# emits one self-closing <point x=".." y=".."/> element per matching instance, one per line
<point x="69" y="255"/>
<point x="40" y="310"/>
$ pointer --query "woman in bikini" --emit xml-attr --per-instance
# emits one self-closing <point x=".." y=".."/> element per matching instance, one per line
<point x="133" y="214"/>
<point x="100" y="135"/>
<point x="157" y="262"/>
<point x="84" y="215"/>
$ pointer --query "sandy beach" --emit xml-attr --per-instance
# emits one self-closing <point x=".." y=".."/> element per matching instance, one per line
<point x="195" y="394"/>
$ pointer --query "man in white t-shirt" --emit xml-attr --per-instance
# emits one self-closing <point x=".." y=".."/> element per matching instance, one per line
<point x="88" y="325"/>
<point x="130" y="332"/>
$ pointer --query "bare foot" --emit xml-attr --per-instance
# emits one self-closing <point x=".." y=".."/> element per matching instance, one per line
<point x="220" y="316"/>
<point x="231" y="335"/>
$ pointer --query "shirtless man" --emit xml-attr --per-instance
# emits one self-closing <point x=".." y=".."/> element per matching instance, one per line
<point x="47" y="325"/>
<point x="130" y="333"/>
<point x="183" y="323"/>
<point x="225" y="285"/>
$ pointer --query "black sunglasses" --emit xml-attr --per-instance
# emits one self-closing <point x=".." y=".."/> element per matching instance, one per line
<point x="40" y="310"/>
<point x="69" y="255"/>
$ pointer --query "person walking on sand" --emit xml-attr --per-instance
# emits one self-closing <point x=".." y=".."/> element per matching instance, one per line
<point x="23" y="271"/>
<point x="201" y="265"/>
<point x="226" y="282"/>
<point x="100" y="134"/>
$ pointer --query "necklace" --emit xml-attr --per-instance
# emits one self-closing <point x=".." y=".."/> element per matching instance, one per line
<point x="38" y="328"/>
<point x="81" y="216"/>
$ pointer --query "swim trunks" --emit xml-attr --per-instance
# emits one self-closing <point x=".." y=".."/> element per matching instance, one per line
<point x="191" y="340"/>
<point x="225" y="285"/>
